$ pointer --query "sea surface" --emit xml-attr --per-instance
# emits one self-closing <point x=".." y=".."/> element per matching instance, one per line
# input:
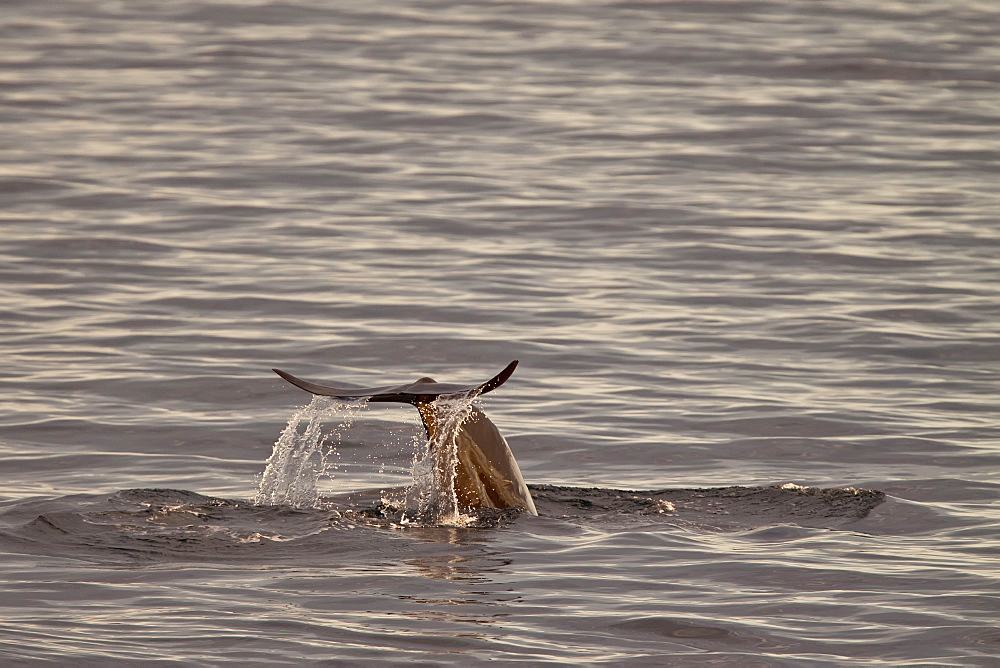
<point x="744" y="251"/>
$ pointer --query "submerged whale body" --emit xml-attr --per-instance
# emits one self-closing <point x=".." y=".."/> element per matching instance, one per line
<point x="486" y="473"/>
<point x="170" y="525"/>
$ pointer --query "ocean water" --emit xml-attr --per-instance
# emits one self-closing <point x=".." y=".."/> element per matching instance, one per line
<point x="743" y="251"/>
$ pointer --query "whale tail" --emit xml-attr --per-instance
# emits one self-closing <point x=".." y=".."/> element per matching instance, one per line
<point x="486" y="473"/>
<point x="421" y="391"/>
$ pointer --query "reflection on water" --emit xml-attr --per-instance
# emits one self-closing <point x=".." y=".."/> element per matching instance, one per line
<point x="477" y="568"/>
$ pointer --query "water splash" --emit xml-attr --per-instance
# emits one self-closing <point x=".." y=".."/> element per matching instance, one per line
<point x="431" y="498"/>
<point x="300" y="459"/>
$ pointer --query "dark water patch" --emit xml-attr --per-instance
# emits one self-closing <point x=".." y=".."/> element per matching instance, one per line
<point x="860" y="67"/>
<point x="945" y="316"/>
<point x="20" y="186"/>
<point x="692" y="634"/>
<point x="83" y="247"/>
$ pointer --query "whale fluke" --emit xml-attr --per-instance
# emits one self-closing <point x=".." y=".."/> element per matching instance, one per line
<point x="486" y="473"/>
<point x="421" y="391"/>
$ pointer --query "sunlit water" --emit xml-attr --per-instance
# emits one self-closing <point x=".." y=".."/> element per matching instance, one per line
<point x="732" y="244"/>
